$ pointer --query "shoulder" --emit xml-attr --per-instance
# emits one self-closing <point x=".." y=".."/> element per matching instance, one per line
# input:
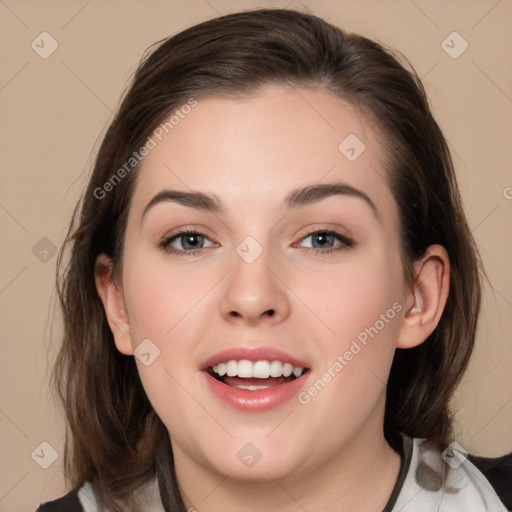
<point x="68" y="503"/>
<point x="84" y="500"/>
<point x="78" y="500"/>
<point x="499" y="473"/>
<point x="450" y="483"/>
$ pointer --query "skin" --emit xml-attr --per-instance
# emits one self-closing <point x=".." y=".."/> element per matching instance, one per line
<point x="250" y="154"/>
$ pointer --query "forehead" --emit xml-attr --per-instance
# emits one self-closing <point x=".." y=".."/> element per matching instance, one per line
<point x="253" y="151"/>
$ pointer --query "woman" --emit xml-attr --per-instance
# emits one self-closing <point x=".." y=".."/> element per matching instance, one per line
<point x="272" y="291"/>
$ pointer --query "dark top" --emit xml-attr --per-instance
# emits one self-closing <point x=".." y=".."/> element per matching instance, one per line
<point x="69" y="503"/>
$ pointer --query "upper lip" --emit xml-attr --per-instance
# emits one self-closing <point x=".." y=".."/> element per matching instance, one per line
<point x="253" y="354"/>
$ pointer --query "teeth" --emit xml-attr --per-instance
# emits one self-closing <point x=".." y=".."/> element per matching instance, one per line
<point x="287" y="369"/>
<point x="259" y="370"/>
<point x="297" y="371"/>
<point x="245" y="369"/>
<point x="232" y="368"/>
<point x="276" y="369"/>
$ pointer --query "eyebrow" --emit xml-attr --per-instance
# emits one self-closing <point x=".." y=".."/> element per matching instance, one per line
<point x="312" y="194"/>
<point x="197" y="200"/>
<point x="297" y="198"/>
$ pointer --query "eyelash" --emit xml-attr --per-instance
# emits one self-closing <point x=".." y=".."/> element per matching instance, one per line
<point x="346" y="242"/>
<point x="166" y="242"/>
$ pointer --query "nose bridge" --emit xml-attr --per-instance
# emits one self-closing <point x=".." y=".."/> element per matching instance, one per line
<point x="253" y="293"/>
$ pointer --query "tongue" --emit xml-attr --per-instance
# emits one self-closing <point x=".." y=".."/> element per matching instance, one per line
<point x="271" y="381"/>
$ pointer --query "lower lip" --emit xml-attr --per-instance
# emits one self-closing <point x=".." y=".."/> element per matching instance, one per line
<point x="258" y="400"/>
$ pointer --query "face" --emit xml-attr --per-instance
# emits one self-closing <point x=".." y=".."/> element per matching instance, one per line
<point x="262" y="275"/>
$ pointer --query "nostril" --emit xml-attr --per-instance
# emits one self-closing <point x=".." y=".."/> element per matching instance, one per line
<point x="269" y="312"/>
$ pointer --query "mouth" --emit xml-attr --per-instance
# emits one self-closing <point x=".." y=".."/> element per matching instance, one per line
<point x="255" y="383"/>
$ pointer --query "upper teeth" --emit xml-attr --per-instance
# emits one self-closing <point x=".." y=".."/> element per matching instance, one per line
<point x="259" y="369"/>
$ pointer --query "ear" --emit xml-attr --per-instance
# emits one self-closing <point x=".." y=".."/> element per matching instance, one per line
<point x="113" y="302"/>
<point x="425" y="302"/>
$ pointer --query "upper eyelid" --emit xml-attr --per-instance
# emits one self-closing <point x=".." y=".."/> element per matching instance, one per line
<point x="199" y="231"/>
<point x="333" y="230"/>
<point x="187" y="230"/>
<point x="324" y="230"/>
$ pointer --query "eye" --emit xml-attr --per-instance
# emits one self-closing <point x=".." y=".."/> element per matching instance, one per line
<point x="325" y="241"/>
<point x="186" y="242"/>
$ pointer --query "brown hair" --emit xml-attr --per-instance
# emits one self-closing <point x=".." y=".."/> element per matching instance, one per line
<point x="115" y="439"/>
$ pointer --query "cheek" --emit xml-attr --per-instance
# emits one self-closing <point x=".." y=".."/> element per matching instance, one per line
<point x="167" y="306"/>
<point x="163" y="306"/>
<point x="352" y="297"/>
<point x="358" y="309"/>
<point x="160" y="297"/>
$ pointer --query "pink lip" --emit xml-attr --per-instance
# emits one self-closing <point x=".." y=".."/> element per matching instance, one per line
<point x="252" y="354"/>
<point x="255" y="401"/>
<point x="259" y="400"/>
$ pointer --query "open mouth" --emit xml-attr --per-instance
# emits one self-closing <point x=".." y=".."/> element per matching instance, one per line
<point x="255" y="379"/>
<point x="254" y="376"/>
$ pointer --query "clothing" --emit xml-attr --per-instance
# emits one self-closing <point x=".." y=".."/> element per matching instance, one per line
<point x="464" y="488"/>
<point x="420" y="487"/>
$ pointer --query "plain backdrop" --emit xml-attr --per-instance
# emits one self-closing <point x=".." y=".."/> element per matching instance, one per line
<point x="54" y="109"/>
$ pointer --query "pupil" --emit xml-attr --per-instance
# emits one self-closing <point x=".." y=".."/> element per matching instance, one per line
<point x="191" y="241"/>
<point x="322" y="240"/>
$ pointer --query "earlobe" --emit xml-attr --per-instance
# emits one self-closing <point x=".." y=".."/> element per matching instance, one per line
<point x="426" y="301"/>
<point x="113" y="303"/>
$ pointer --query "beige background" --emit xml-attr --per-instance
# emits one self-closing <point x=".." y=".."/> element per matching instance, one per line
<point x="54" y="109"/>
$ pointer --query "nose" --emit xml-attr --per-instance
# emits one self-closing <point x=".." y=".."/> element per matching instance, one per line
<point x="254" y="294"/>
